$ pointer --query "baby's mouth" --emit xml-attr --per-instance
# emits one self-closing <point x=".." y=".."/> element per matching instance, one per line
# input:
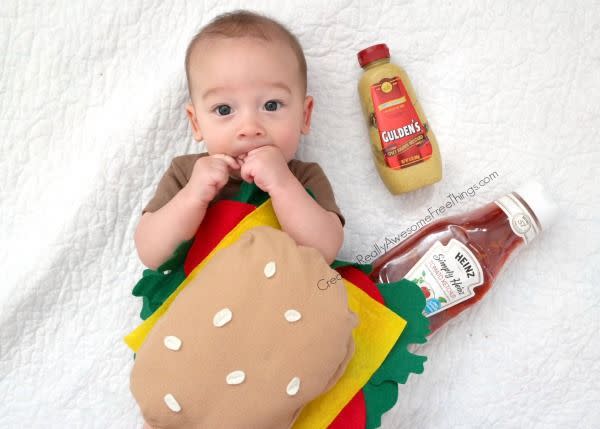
<point x="241" y="158"/>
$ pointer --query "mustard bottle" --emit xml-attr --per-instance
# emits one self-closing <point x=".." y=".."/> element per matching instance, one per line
<point x="404" y="147"/>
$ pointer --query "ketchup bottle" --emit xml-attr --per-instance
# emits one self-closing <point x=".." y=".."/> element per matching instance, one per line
<point x="456" y="259"/>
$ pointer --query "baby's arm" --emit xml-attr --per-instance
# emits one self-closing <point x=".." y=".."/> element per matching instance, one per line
<point x="298" y="214"/>
<point x="305" y="220"/>
<point x="158" y="234"/>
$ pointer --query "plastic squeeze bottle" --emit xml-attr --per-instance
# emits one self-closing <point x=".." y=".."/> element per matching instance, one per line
<point x="404" y="148"/>
<point x="456" y="259"/>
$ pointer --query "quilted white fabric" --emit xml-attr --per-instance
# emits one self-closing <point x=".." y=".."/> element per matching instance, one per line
<point x="92" y="100"/>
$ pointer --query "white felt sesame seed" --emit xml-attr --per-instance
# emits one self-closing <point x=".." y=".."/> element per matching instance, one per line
<point x="236" y="377"/>
<point x="171" y="342"/>
<point x="293" y="387"/>
<point x="292" y="316"/>
<point x="270" y="269"/>
<point x="222" y="317"/>
<point x="172" y="403"/>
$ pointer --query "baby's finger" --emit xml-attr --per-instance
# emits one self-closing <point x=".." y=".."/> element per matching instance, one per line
<point x="245" y="174"/>
<point x="229" y="160"/>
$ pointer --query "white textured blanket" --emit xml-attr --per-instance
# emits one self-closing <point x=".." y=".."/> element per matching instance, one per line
<point x="92" y="100"/>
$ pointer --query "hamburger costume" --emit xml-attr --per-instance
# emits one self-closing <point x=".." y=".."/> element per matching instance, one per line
<point x="242" y="328"/>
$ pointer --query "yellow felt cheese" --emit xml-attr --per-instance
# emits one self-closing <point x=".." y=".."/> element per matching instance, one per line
<point x="374" y="337"/>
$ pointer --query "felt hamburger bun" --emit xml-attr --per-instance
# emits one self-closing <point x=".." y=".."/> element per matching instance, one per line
<point x="263" y="329"/>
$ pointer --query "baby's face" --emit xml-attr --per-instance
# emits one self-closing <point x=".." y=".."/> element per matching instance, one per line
<point x="247" y="93"/>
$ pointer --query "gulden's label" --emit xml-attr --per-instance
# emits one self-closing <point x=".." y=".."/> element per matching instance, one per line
<point x="446" y="275"/>
<point x="404" y="139"/>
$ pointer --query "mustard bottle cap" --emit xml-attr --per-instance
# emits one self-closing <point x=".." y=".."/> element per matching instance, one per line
<point x="373" y="53"/>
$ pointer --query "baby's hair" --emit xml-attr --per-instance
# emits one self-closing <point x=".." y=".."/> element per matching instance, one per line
<point x="243" y="23"/>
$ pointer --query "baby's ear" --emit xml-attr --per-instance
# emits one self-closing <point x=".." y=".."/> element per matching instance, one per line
<point x="191" y="113"/>
<point x="308" y="107"/>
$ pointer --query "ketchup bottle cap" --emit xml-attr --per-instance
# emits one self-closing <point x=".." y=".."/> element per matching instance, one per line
<point x="373" y="53"/>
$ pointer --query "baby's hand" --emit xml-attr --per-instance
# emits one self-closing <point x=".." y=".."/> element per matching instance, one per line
<point x="266" y="166"/>
<point x="209" y="175"/>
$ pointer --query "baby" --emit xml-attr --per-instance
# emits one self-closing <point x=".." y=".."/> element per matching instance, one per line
<point x="247" y="82"/>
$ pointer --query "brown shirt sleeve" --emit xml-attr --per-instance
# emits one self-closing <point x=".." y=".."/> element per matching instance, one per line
<point x="311" y="176"/>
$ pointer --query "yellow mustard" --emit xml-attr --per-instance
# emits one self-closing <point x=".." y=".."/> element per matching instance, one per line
<point x="404" y="147"/>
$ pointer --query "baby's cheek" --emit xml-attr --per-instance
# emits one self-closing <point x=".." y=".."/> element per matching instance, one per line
<point x="216" y="143"/>
<point x="289" y="140"/>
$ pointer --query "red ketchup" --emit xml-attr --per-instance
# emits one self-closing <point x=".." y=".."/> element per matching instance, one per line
<point x="455" y="260"/>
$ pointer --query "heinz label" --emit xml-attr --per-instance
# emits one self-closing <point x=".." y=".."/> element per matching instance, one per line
<point x="446" y="275"/>
<point x="403" y="137"/>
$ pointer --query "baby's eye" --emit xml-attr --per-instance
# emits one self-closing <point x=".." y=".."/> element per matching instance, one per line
<point x="271" y="105"/>
<point x="223" y="110"/>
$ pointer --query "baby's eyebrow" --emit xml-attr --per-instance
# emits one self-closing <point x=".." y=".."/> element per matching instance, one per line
<point x="217" y="89"/>
<point x="280" y="85"/>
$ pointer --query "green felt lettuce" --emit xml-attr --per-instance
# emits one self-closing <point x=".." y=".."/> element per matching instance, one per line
<point x="406" y="299"/>
<point x="381" y="392"/>
<point x="156" y="286"/>
<point x="251" y="194"/>
<point x="378" y="400"/>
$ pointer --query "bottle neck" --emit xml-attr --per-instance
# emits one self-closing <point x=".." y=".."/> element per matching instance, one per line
<point x="376" y="63"/>
<point x="523" y="220"/>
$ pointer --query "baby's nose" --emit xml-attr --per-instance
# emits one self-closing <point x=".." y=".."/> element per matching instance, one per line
<point x="250" y="128"/>
<point x="245" y="133"/>
<point x="251" y="131"/>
